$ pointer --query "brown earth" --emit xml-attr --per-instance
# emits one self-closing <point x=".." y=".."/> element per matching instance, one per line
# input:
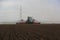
<point x="30" y="32"/>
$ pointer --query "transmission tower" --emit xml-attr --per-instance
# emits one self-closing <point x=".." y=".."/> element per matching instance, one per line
<point x="20" y="11"/>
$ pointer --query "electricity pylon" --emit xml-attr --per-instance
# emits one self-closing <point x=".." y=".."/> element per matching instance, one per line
<point x="20" y="11"/>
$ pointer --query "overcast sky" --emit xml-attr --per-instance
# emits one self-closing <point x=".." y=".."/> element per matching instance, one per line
<point x="45" y="11"/>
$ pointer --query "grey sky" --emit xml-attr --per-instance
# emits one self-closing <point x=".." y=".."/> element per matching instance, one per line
<point x="45" y="11"/>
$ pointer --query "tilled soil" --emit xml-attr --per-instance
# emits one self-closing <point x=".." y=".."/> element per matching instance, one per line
<point x="30" y="32"/>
